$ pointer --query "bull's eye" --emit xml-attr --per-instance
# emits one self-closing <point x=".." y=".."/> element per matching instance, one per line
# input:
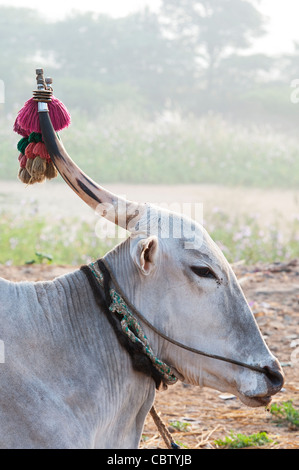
<point x="203" y="271"/>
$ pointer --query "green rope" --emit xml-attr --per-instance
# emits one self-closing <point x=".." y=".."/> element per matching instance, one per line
<point x="132" y="328"/>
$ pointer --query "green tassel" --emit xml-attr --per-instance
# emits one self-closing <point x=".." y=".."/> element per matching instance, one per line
<point x="35" y="137"/>
<point x="22" y="144"/>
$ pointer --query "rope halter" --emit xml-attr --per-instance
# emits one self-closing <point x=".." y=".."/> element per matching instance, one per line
<point x="132" y="328"/>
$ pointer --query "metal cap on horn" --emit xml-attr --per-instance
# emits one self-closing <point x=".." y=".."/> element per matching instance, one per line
<point x="114" y="208"/>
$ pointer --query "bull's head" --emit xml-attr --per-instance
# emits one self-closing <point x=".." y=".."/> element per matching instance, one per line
<point x="185" y="286"/>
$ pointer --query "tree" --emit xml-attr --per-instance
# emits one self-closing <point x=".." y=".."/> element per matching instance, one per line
<point x="20" y="34"/>
<point x="213" y="28"/>
<point x="130" y="53"/>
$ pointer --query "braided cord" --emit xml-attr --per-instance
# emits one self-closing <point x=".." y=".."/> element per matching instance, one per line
<point x="132" y="328"/>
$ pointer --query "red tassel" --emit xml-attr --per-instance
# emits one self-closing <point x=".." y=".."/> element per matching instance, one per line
<point x="40" y="150"/>
<point x="22" y="160"/>
<point x="28" y="121"/>
<point x="29" y="150"/>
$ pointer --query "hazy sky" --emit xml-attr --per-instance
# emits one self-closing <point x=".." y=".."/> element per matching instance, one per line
<point x="283" y="16"/>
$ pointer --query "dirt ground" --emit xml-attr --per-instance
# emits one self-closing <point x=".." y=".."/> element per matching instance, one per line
<point x="273" y="293"/>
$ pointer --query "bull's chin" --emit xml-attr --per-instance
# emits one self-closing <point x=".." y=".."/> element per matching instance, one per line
<point x="254" y="402"/>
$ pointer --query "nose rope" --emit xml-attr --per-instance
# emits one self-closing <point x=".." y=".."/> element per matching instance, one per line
<point x="121" y="299"/>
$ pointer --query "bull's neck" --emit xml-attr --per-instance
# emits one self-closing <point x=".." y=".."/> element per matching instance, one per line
<point x="132" y="284"/>
<point x="121" y="264"/>
<point x="100" y="369"/>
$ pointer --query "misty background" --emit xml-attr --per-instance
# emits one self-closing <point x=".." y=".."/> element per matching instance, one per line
<point x="189" y="64"/>
<point x="177" y="94"/>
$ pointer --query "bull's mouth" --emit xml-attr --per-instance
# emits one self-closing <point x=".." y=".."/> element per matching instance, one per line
<point x="274" y="381"/>
<point x="255" y="402"/>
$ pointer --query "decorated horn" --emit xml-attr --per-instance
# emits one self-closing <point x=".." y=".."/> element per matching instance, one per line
<point x="114" y="208"/>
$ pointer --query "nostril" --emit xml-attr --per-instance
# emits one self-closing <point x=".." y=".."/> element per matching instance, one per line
<point x="274" y="376"/>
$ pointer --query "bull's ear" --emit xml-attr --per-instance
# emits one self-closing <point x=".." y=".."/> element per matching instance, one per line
<point x="145" y="254"/>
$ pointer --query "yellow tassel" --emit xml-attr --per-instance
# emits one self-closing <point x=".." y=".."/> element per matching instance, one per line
<point x="24" y="176"/>
<point x="51" y="171"/>
<point x="38" y="169"/>
<point x="29" y="165"/>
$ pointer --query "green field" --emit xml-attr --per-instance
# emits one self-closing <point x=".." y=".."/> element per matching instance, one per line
<point x="33" y="237"/>
<point x="121" y="146"/>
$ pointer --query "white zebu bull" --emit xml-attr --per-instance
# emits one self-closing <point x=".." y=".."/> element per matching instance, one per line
<point x="67" y="382"/>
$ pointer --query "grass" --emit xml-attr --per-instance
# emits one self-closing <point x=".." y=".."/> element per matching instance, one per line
<point x="179" y="425"/>
<point x="243" y="237"/>
<point x="64" y="241"/>
<point x="31" y="238"/>
<point x="239" y="441"/>
<point x="124" y="147"/>
<point x="285" y="414"/>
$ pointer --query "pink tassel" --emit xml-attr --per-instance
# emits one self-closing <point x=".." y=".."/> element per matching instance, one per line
<point x="18" y="129"/>
<point x="28" y="120"/>
<point x="59" y="115"/>
<point x="29" y="150"/>
<point x="41" y="151"/>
